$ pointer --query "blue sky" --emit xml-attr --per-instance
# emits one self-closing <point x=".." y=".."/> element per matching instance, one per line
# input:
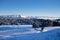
<point x="30" y="7"/>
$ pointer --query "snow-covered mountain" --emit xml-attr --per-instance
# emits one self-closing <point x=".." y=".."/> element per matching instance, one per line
<point x="29" y="17"/>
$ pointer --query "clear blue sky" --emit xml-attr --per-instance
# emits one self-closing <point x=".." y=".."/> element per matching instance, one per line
<point x="30" y="7"/>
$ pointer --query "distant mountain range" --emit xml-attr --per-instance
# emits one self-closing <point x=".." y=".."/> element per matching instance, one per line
<point x="29" y="17"/>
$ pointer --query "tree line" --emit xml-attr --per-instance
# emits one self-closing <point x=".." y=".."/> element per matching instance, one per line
<point x="25" y="21"/>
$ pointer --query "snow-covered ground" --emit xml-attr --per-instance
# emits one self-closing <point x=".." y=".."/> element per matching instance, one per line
<point x="26" y="32"/>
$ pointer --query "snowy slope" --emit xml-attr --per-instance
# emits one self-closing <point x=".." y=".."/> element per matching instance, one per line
<point x="50" y="35"/>
<point x="28" y="33"/>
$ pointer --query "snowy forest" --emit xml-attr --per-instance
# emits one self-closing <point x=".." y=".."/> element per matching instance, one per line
<point x="25" y="21"/>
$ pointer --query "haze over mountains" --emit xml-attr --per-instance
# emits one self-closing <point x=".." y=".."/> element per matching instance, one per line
<point x="28" y="17"/>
